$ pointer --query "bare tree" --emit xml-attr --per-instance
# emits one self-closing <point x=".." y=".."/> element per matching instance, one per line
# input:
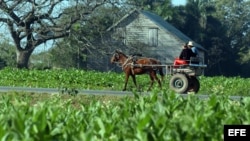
<point x="33" y="22"/>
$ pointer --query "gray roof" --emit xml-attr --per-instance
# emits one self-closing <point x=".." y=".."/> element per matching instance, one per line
<point x="162" y="24"/>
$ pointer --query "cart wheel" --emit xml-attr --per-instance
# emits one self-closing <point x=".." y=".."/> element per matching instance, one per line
<point x="194" y="84"/>
<point x="179" y="83"/>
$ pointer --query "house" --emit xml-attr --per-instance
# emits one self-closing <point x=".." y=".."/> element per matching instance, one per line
<point x="147" y="33"/>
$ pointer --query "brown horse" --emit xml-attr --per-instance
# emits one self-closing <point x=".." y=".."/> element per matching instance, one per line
<point x="140" y="66"/>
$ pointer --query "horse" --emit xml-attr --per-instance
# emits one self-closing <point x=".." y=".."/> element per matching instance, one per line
<point x="139" y="66"/>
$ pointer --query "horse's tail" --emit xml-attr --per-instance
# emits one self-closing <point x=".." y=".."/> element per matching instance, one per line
<point x="160" y="69"/>
<point x="161" y="73"/>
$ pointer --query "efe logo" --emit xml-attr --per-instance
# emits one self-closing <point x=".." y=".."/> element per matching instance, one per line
<point x="236" y="132"/>
<point x="241" y="132"/>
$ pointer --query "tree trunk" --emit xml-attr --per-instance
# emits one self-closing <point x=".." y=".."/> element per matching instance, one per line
<point x="23" y="57"/>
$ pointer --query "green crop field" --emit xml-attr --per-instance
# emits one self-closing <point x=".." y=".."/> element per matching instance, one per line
<point x="40" y="117"/>
<point x="166" y="117"/>
<point x="79" y="79"/>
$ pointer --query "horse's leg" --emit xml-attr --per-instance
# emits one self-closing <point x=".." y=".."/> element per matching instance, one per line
<point x="126" y="81"/>
<point x="152" y="80"/>
<point x="134" y="80"/>
<point x="161" y="73"/>
<point x="158" y="80"/>
<point x="154" y="76"/>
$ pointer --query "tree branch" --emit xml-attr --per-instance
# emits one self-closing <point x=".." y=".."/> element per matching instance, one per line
<point x="14" y="35"/>
<point x="10" y="10"/>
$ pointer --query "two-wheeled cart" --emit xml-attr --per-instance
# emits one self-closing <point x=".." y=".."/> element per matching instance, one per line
<point x="184" y="78"/>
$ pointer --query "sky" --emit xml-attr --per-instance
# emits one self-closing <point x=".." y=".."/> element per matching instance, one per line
<point x="179" y="2"/>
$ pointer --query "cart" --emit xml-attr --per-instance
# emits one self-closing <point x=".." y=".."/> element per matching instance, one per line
<point x="184" y="78"/>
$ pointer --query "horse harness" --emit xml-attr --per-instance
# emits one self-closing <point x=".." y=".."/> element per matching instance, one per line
<point x="133" y="60"/>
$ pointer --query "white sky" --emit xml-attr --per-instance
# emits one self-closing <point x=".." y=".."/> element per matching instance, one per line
<point x="179" y="2"/>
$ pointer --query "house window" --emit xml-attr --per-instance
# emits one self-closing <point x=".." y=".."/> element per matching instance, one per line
<point x="153" y="37"/>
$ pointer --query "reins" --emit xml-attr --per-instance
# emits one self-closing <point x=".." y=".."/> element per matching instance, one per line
<point x="126" y="62"/>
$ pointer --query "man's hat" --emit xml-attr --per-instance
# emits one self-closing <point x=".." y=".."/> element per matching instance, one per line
<point x="190" y="43"/>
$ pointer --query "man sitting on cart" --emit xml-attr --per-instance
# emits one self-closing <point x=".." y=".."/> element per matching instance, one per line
<point x="184" y="57"/>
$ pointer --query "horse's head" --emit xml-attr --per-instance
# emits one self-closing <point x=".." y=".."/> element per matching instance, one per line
<point x="117" y="56"/>
<point x="114" y="58"/>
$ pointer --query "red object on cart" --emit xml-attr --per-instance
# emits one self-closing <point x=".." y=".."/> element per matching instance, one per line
<point x="179" y="62"/>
